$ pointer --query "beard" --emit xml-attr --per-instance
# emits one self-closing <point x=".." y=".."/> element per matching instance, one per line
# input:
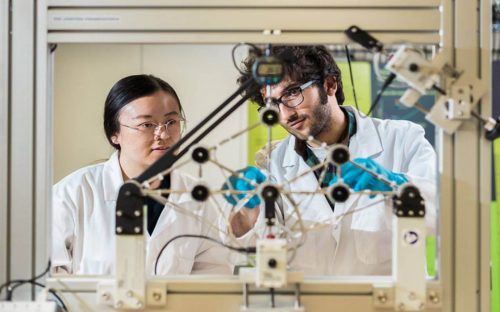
<point x="320" y="121"/>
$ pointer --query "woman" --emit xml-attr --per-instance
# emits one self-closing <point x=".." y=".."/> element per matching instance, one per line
<point x="143" y="117"/>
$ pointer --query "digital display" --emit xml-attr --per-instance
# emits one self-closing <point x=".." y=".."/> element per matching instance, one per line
<point x="269" y="69"/>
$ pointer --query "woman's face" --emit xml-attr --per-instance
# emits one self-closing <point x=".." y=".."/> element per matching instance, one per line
<point x="148" y="127"/>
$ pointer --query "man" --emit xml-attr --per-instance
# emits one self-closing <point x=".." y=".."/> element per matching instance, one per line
<point x="343" y="238"/>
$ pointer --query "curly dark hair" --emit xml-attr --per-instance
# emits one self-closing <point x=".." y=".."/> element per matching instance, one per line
<point x="301" y="64"/>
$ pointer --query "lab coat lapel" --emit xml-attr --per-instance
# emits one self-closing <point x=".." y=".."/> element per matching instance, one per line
<point x="313" y="207"/>
<point x="366" y="143"/>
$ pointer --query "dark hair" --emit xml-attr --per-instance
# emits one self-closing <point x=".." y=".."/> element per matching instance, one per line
<point x="302" y="63"/>
<point x="127" y="90"/>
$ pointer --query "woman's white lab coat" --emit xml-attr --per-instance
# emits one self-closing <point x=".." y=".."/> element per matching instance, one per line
<point x="83" y="226"/>
<point x="360" y="244"/>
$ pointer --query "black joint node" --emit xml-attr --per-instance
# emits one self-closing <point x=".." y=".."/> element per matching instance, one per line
<point x="338" y="192"/>
<point x="339" y="154"/>
<point x="272" y="263"/>
<point x="269" y="192"/>
<point x="269" y="116"/>
<point x="200" y="193"/>
<point x="409" y="202"/>
<point x="200" y="155"/>
<point x="414" y="67"/>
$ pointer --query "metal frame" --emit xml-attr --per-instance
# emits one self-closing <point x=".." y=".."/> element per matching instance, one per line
<point x="464" y="186"/>
<point x="4" y="135"/>
<point x="21" y="149"/>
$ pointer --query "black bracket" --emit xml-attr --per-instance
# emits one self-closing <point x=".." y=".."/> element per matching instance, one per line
<point x="362" y="37"/>
<point x="129" y="210"/>
<point x="409" y="202"/>
<point x="269" y="194"/>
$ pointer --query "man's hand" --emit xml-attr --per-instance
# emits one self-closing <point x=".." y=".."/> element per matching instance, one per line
<point x="244" y="183"/>
<point x="359" y="180"/>
<point x="244" y="220"/>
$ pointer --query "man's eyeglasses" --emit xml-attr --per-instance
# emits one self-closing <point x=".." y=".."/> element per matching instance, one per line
<point x="294" y="96"/>
<point x="172" y="126"/>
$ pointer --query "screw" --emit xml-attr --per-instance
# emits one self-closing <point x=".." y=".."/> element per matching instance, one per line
<point x="382" y="297"/>
<point x="119" y="213"/>
<point x="433" y="297"/>
<point x="137" y="213"/>
<point x="401" y="307"/>
<point x="137" y="229"/>
<point x="127" y="193"/>
<point x="119" y="304"/>
<point x="138" y="304"/>
<point x="119" y="229"/>
<point x="157" y="296"/>
<point x="105" y="296"/>
<point x="411" y="296"/>
<point x="129" y="293"/>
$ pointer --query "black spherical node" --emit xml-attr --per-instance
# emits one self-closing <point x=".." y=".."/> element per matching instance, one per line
<point x="340" y="154"/>
<point x="413" y="67"/>
<point x="200" y="155"/>
<point x="200" y="193"/>
<point x="269" y="116"/>
<point x="272" y="263"/>
<point x="269" y="192"/>
<point x="340" y="193"/>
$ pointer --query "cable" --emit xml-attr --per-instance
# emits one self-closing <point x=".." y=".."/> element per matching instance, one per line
<point x="20" y="282"/>
<point x="351" y="76"/>
<point x="387" y="83"/>
<point x="237" y="249"/>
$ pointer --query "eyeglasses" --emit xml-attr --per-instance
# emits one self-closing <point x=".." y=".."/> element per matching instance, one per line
<point x="172" y="126"/>
<point x="294" y="96"/>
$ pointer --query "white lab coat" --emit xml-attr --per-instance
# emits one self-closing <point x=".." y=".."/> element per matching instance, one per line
<point x="83" y="222"/>
<point x="361" y="243"/>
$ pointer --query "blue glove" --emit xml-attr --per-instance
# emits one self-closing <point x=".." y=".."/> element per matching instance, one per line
<point x="239" y="184"/>
<point x="359" y="180"/>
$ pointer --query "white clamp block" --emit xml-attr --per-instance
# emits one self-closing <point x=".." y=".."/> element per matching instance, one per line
<point x="409" y="264"/>
<point x="460" y="102"/>
<point x="410" y="97"/>
<point x="411" y="67"/>
<point x="271" y="263"/>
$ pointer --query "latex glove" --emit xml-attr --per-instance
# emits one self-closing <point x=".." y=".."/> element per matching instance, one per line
<point x="239" y="184"/>
<point x="359" y="180"/>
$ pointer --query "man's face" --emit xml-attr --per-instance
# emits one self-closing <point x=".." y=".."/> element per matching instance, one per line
<point x="310" y="117"/>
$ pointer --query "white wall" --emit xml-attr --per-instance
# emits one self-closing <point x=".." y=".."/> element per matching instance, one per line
<point x="203" y="76"/>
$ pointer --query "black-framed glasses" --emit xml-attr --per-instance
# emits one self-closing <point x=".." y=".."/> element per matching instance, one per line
<point x="294" y="96"/>
<point x="175" y="125"/>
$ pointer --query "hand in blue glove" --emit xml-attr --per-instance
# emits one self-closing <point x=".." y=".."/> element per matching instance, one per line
<point x="359" y="180"/>
<point x="239" y="184"/>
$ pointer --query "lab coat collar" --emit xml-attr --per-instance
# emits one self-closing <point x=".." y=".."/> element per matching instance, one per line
<point x="365" y="143"/>
<point x="112" y="178"/>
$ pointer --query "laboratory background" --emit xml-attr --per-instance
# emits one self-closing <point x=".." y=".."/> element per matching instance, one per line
<point x="168" y="155"/>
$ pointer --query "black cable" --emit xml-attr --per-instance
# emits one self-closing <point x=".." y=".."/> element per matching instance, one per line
<point x="351" y="76"/>
<point x="387" y="83"/>
<point x="256" y="48"/>
<point x="237" y="249"/>
<point x="58" y="299"/>
<point x="20" y="282"/>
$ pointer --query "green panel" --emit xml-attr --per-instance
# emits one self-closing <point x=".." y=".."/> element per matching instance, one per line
<point x="257" y="137"/>
<point x="495" y="257"/>
<point x="431" y="255"/>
